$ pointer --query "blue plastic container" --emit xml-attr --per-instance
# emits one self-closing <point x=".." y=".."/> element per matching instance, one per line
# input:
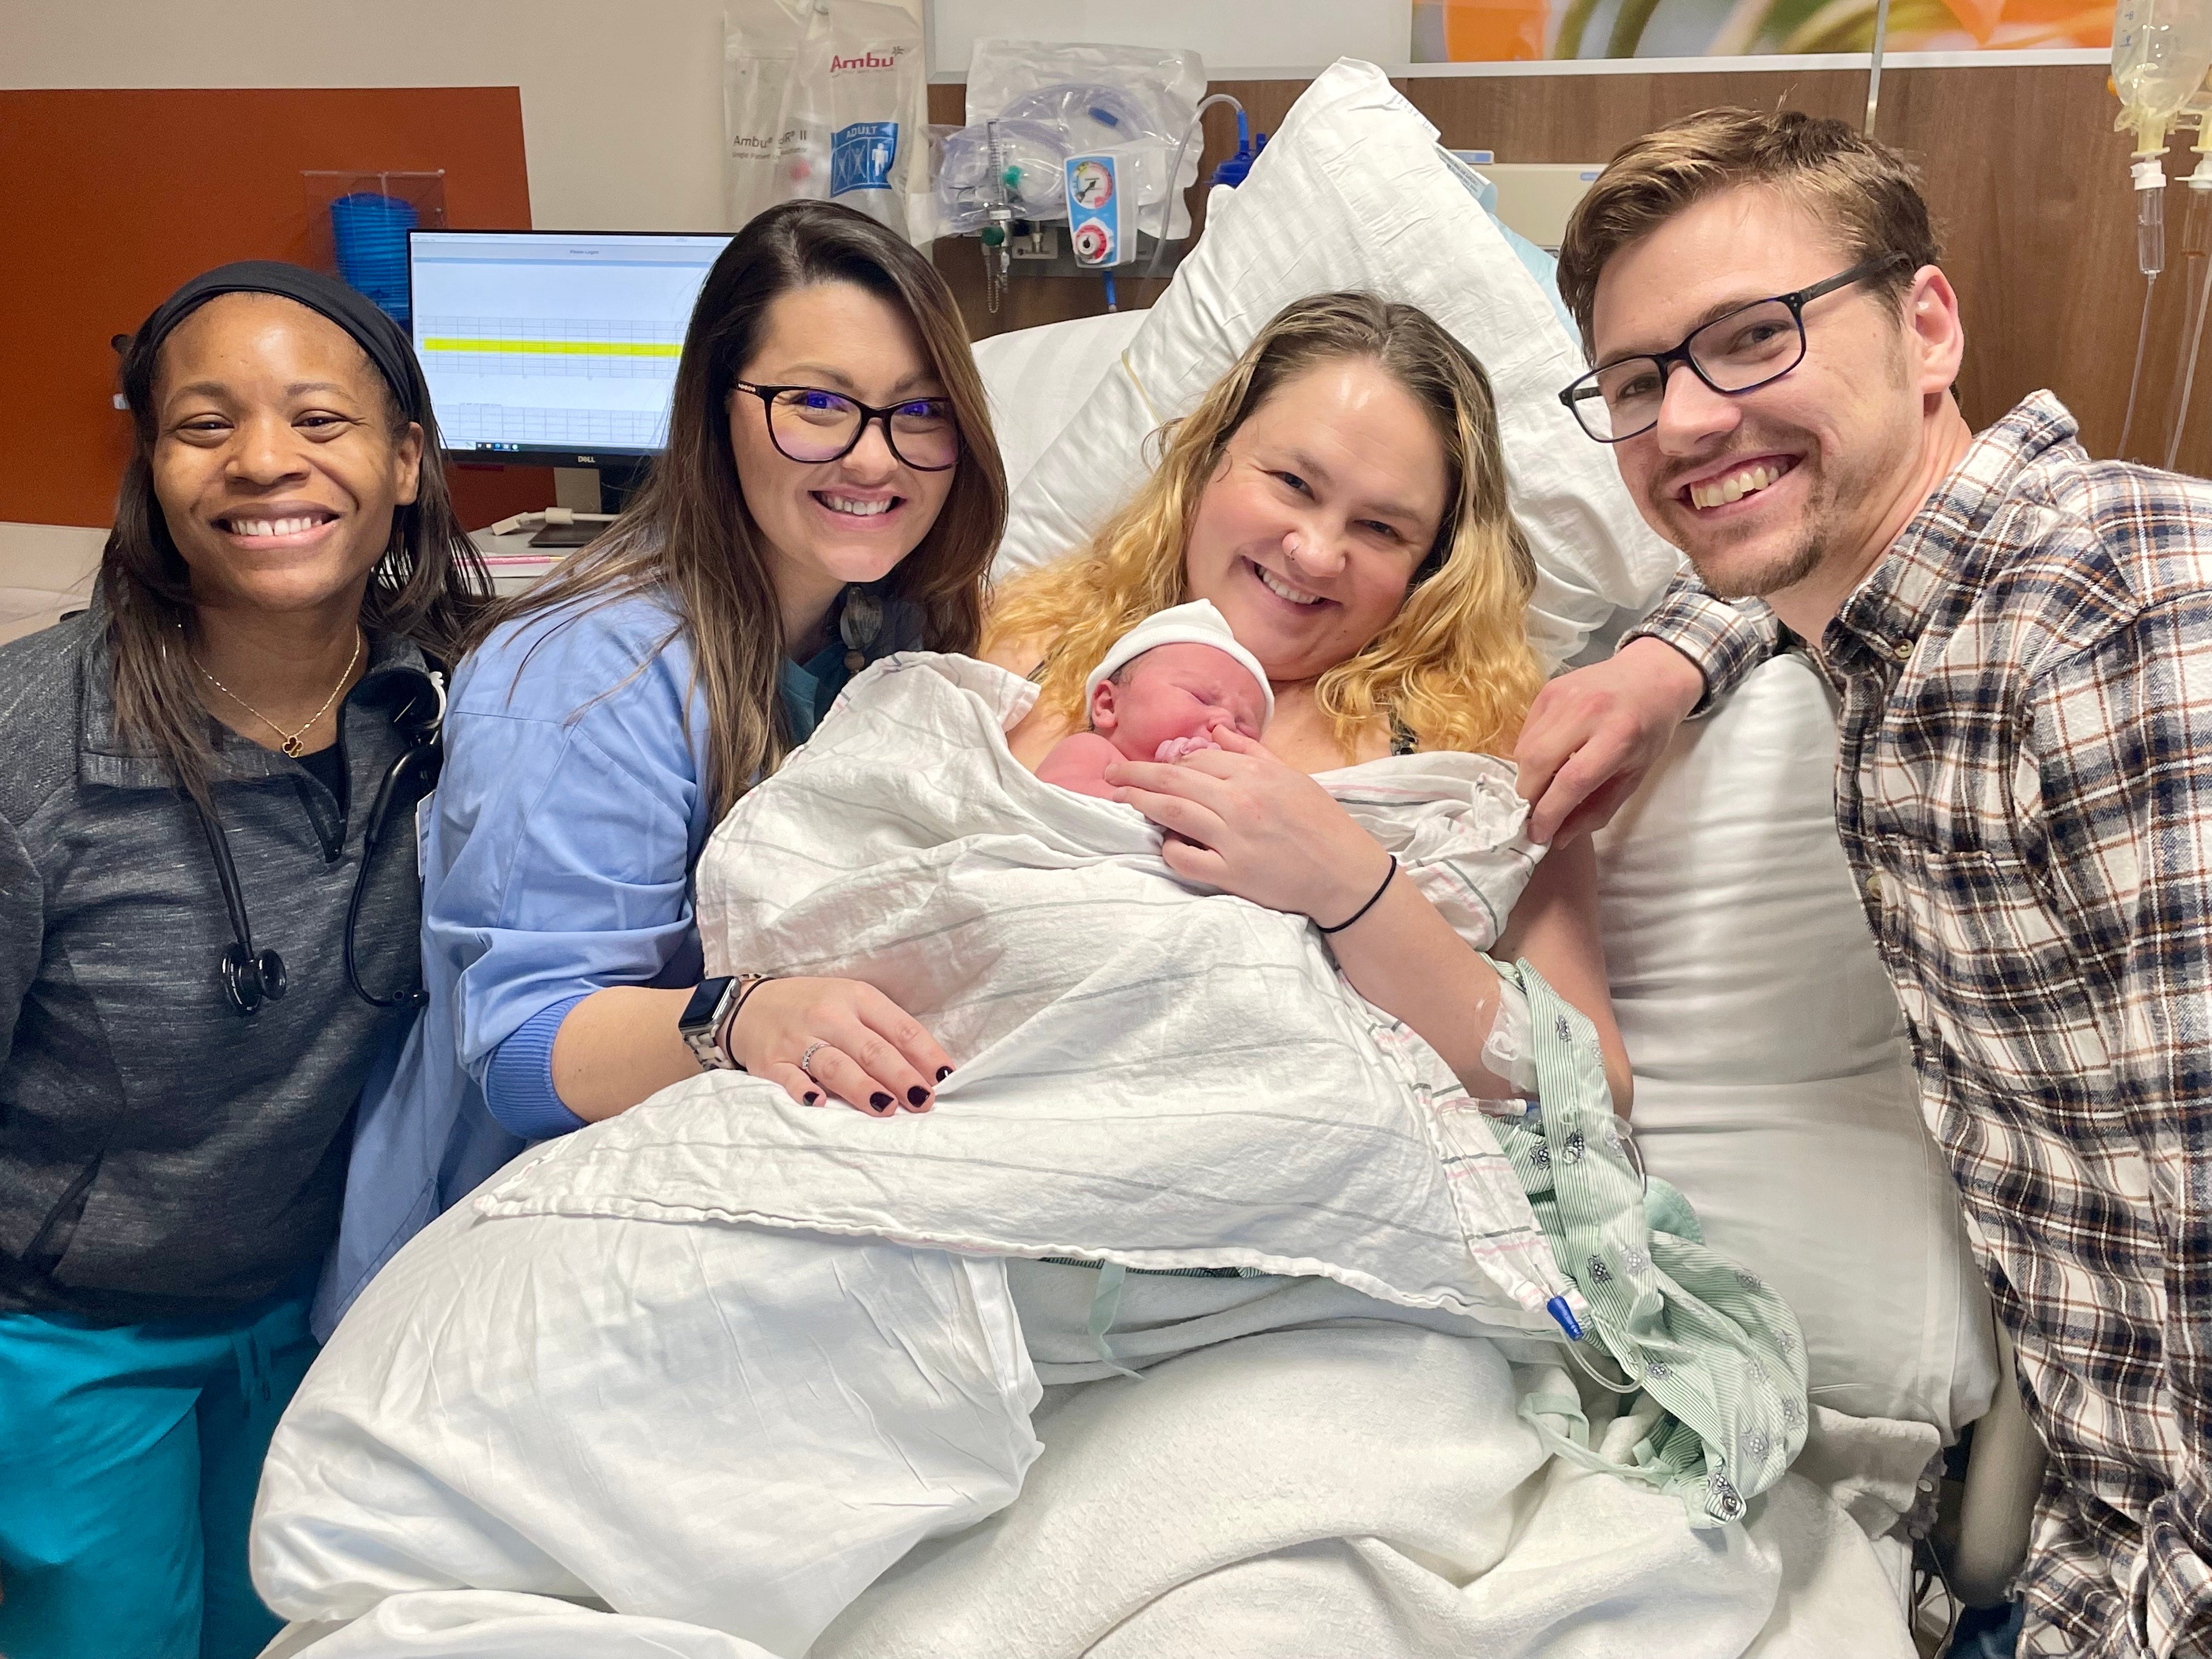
<point x="370" y="230"/>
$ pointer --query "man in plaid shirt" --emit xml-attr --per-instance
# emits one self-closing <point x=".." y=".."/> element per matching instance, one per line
<point x="2021" y="642"/>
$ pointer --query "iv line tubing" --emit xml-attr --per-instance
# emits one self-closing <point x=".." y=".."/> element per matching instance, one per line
<point x="2196" y="261"/>
<point x="1873" y="71"/>
<point x="2135" y="381"/>
<point x="2189" y="378"/>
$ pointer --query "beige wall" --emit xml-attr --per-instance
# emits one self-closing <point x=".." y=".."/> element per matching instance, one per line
<point x="622" y="102"/>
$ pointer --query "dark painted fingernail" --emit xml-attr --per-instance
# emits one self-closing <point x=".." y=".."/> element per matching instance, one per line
<point x="916" y="1095"/>
<point x="880" y="1101"/>
<point x="943" y="1072"/>
<point x="813" y="1099"/>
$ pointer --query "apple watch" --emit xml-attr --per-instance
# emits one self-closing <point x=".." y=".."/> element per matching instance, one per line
<point x="701" y="1024"/>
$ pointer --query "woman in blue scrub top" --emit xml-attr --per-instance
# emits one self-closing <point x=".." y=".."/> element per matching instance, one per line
<point x="831" y="492"/>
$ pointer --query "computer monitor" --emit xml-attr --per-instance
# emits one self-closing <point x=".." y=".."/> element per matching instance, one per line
<point x="554" y="347"/>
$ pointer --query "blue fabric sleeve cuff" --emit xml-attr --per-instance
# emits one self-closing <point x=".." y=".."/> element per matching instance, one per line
<point x="519" y="1082"/>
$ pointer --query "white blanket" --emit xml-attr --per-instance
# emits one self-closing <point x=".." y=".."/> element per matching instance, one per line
<point x="574" y="1437"/>
<point x="682" y="1365"/>
<point x="1230" y="1505"/>
<point x="1147" y="1074"/>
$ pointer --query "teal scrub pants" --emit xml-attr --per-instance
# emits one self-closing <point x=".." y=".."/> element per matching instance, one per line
<point x="129" y="1459"/>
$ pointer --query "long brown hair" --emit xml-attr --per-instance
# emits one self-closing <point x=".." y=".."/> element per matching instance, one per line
<point x="689" y="531"/>
<point x="430" y="586"/>
<point x="1454" y="667"/>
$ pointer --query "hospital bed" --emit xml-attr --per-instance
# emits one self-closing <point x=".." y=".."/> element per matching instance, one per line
<point x="1772" y="1084"/>
<point x="1771" y="1090"/>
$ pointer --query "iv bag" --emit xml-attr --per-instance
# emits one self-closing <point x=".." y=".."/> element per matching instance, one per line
<point x="2161" y="50"/>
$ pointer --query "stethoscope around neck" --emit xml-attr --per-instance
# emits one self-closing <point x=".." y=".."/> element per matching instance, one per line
<point x="251" y="977"/>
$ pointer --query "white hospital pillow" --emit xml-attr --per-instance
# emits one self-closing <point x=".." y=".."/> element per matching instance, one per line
<point x="1352" y="192"/>
<point x="1038" y="378"/>
<point x="1773" y="1084"/>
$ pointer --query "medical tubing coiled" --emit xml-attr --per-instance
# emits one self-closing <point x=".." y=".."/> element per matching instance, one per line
<point x="1175" y="170"/>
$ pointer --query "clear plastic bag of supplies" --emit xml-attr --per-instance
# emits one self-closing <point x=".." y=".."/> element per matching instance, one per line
<point x="1141" y="98"/>
<point x="1026" y="156"/>
<point x="824" y="100"/>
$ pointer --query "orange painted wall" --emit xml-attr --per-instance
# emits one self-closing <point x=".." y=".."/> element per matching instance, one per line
<point x="111" y="198"/>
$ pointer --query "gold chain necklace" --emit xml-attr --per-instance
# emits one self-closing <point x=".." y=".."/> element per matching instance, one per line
<point x="290" y="741"/>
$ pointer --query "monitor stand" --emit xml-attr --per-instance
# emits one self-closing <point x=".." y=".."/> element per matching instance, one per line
<point x="569" y="535"/>
<point x="618" y="481"/>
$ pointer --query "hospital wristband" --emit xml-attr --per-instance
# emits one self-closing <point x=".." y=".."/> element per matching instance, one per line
<point x="1389" y="876"/>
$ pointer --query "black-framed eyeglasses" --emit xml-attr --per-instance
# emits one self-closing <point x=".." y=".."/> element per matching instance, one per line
<point x="1744" y="349"/>
<point x="809" y="424"/>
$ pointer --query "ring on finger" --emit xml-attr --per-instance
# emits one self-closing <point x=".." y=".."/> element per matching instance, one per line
<point x="807" y="1059"/>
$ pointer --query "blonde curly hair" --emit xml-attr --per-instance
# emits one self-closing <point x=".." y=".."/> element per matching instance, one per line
<point x="1454" y="667"/>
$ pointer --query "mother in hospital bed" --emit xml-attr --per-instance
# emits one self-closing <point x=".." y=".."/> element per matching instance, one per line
<point x="1340" y="495"/>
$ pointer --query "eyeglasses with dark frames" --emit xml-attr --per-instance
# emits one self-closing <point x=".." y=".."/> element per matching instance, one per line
<point x="1744" y="349"/>
<point x="812" y="425"/>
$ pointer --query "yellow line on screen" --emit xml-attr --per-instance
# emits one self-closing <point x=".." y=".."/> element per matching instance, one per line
<point x="561" y="348"/>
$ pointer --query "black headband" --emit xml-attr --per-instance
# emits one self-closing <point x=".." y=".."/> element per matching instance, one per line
<point x="388" y="346"/>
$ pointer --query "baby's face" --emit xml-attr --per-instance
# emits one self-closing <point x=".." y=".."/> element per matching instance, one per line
<point x="1178" y="691"/>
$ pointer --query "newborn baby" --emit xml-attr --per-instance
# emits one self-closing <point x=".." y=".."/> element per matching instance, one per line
<point x="1159" y="694"/>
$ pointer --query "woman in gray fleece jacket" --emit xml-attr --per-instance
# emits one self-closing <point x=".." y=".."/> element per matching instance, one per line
<point x="200" y="959"/>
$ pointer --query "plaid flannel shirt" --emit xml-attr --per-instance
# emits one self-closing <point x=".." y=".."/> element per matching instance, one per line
<point x="2024" y="791"/>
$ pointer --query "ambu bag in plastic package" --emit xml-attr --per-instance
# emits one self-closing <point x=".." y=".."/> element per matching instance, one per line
<point x="1094" y="95"/>
<point x="824" y="100"/>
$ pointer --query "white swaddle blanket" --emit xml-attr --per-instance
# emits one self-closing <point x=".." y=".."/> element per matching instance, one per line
<point x="1148" y="1073"/>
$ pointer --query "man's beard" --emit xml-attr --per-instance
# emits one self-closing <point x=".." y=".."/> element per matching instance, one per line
<point x="1789" y="569"/>
<point x="1732" y="575"/>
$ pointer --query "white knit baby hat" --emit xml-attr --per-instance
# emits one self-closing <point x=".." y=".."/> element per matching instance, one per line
<point x="1196" y="624"/>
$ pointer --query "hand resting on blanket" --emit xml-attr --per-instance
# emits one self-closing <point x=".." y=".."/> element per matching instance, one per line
<point x="871" y="1053"/>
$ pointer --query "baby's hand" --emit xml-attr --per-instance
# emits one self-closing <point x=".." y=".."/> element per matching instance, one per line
<point x="1176" y="748"/>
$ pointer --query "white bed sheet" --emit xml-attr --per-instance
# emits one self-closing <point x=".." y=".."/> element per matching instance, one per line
<point x="1230" y="1502"/>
